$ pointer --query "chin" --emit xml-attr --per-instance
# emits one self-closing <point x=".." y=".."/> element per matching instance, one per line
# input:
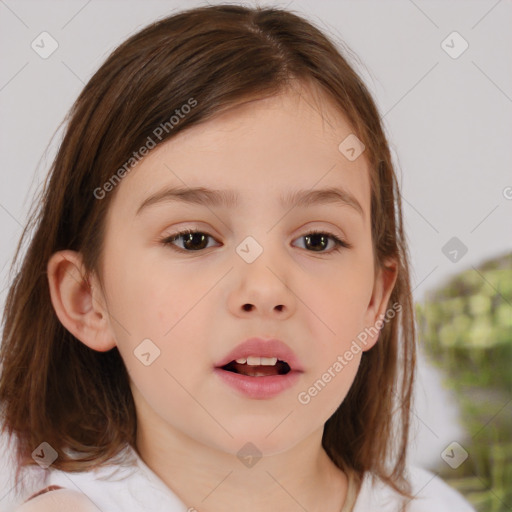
<point x="259" y="438"/>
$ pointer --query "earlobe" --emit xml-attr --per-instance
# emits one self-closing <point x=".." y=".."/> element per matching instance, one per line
<point x="79" y="311"/>
<point x="376" y="313"/>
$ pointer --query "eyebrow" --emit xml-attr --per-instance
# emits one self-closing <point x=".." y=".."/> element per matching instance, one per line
<point x="228" y="198"/>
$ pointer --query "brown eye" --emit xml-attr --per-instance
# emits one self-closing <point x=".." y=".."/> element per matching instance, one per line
<point x="318" y="241"/>
<point x="192" y="240"/>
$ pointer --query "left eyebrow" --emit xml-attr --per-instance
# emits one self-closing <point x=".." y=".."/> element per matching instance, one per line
<point x="228" y="198"/>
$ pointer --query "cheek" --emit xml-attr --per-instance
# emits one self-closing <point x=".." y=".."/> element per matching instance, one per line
<point x="149" y="299"/>
<point x="155" y="301"/>
<point x="341" y="305"/>
<point x="340" y="300"/>
<point x="329" y="386"/>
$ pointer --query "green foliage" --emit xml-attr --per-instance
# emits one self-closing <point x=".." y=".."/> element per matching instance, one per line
<point x="465" y="326"/>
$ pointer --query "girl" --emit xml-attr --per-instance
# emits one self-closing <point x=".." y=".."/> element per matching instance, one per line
<point x="215" y="311"/>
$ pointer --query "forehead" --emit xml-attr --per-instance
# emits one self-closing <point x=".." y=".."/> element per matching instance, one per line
<point x="258" y="149"/>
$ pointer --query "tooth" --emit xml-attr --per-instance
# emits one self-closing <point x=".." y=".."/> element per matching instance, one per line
<point x="258" y="361"/>
<point x="241" y="361"/>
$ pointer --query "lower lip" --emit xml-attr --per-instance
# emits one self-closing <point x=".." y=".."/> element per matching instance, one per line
<point x="258" y="387"/>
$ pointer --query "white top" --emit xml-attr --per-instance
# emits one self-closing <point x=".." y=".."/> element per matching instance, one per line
<point x="133" y="487"/>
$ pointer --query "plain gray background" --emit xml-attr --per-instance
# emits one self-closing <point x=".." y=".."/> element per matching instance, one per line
<point x="448" y="120"/>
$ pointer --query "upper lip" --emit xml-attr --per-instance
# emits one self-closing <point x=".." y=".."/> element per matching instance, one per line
<point x="263" y="348"/>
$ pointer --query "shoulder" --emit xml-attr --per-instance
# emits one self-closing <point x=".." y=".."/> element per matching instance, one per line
<point x="57" y="501"/>
<point x="430" y="493"/>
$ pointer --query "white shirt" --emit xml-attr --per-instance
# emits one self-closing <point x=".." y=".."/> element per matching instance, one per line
<point x="134" y="487"/>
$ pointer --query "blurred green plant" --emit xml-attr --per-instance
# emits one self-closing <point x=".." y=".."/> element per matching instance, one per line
<point x="465" y="327"/>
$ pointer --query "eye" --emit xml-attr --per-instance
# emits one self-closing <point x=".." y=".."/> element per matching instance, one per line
<point x="192" y="240"/>
<point x="319" y="240"/>
<point x="198" y="240"/>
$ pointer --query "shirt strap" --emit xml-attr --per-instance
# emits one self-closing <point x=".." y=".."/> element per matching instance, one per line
<point x="46" y="489"/>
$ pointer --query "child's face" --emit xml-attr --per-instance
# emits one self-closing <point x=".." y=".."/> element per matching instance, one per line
<point x="193" y="305"/>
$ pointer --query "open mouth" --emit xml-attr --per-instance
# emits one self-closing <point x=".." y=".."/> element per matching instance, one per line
<point x="251" y="367"/>
<point x="260" y="370"/>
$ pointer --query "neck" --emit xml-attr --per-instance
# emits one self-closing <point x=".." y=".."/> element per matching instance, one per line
<point x="210" y="480"/>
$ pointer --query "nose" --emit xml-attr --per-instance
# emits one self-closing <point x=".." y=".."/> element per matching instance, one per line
<point x="262" y="288"/>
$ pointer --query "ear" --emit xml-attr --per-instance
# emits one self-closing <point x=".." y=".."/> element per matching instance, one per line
<point x="79" y="303"/>
<point x="375" y="315"/>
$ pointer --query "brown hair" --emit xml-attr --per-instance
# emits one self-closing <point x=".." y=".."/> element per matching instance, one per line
<point x="220" y="55"/>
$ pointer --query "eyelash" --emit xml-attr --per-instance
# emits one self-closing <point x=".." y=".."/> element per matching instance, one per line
<point x="339" y="243"/>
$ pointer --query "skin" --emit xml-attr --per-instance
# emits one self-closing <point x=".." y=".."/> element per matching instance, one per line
<point x="190" y="424"/>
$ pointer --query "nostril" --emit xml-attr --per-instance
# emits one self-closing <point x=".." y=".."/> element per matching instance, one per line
<point x="247" y="307"/>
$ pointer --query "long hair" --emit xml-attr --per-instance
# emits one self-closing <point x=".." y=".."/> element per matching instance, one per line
<point x="218" y="56"/>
